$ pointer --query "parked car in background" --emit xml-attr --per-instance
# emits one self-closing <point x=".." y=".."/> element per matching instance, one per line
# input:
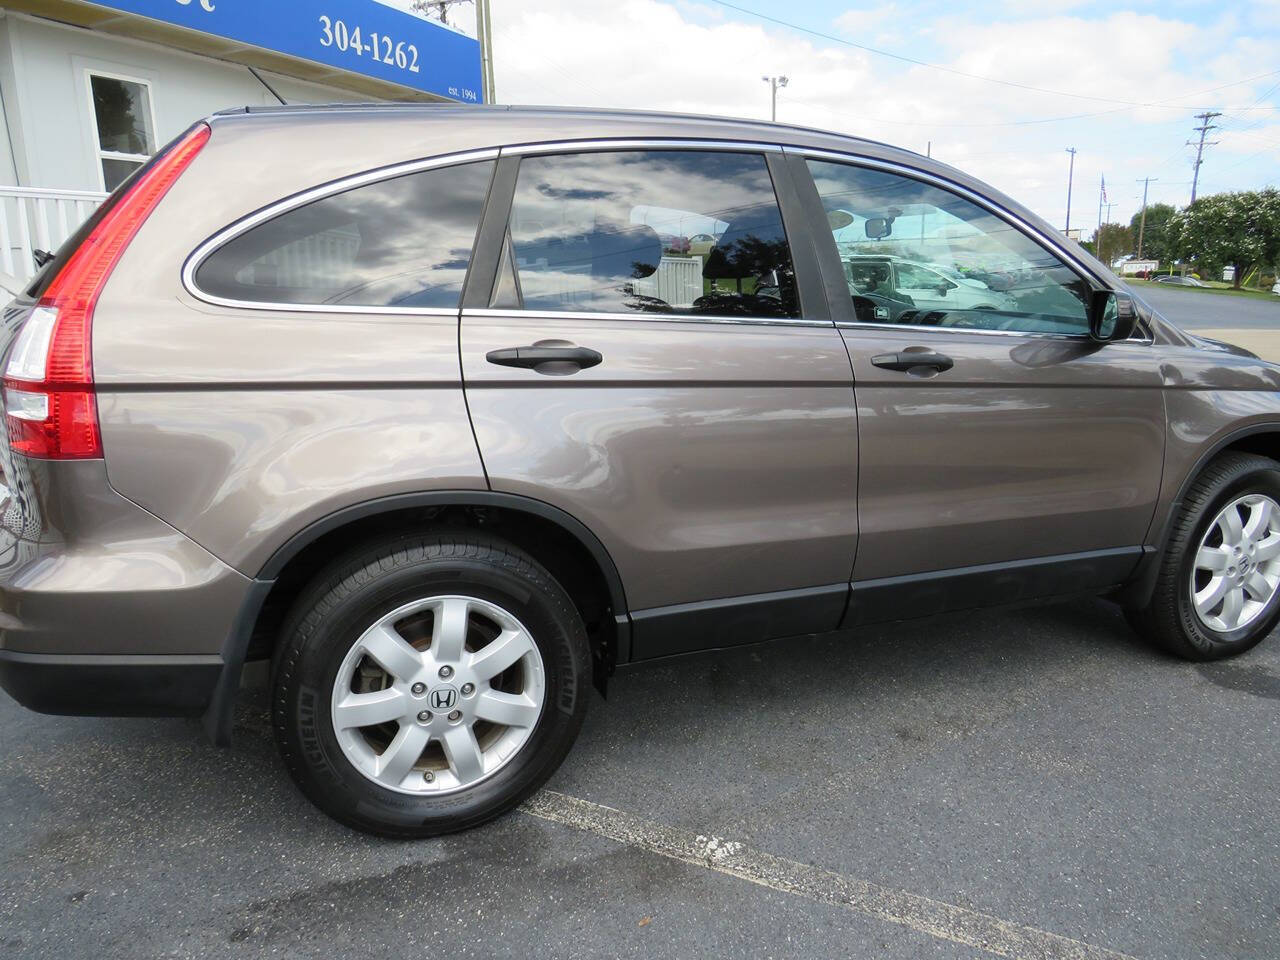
<point x="404" y="420"/>
<point x="1178" y="281"/>
<point x="701" y="244"/>
<point x="927" y="286"/>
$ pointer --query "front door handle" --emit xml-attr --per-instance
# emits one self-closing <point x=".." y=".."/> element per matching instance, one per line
<point x="533" y="356"/>
<point x="909" y="360"/>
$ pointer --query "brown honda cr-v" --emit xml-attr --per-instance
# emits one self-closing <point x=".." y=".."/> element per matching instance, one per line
<point x="447" y="412"/>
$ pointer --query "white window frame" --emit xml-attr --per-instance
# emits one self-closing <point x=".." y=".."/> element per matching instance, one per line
<point x="100" y="154"/>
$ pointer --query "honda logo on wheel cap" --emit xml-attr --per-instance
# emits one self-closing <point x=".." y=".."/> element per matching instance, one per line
<point x="442" y="698"/>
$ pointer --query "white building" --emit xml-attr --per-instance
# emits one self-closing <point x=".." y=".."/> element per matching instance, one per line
<point x="89" y="90"/>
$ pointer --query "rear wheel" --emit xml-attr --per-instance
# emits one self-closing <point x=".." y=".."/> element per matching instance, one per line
<point x="1218" y="589"/>
<point x="429" y="685"/>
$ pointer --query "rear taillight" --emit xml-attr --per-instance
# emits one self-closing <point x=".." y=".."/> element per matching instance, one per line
<point x="49" y="404"/>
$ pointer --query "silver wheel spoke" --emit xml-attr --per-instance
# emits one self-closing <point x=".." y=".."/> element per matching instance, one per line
<point x="463" y="753"/>
<point x="1229" y="523"/>
<point x="1209" y="597"/>
<point x="1212" y="558"/>
<point x="1258" y="587"/>
<point x="369" y="709"/>
<point x="393" y="653"/>
<point x="1232" y="605"/>
<point x="449" y="632"/>
<point x="1260" y="515"/>
<point x="505" y="650"/>
<point x="508" y="709"/>
<point x="1268" y="549"/>
<point x="402" y="753"/>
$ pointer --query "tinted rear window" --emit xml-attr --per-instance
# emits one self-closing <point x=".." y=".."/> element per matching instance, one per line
<point x="403" y="242"/>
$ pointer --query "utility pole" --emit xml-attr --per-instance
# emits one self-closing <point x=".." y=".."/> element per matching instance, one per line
<point x="1204" y="128"/>
<point x="774" y="83"/>
<point x="484" y="33"/>
<point x="928" y="148"/>
<point x="1102" y="197"/>
<point x="1071" y="172"/>
<point x="1142" y="224"/>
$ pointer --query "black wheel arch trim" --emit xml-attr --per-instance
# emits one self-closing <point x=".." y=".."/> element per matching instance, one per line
<point x="220" y="713"/>
<point x="1137" y="592"/>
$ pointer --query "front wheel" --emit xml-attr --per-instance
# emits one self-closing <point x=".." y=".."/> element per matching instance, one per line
<point x="1218" y="588"/>
<point x="429" y="685"/>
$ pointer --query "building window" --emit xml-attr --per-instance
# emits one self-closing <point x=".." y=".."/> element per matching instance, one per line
<point x="124" y="124"/>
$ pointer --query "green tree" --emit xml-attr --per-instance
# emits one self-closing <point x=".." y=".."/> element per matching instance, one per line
<point x="1112" y="240"/>
<point x="1155" y="237"/>
<point x="1240" y="230"/>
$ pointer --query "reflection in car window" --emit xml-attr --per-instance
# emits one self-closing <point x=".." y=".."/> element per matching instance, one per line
<point x="917" y="254"/>
<point x="404" y="242"/>
<point x="684" y="232"/>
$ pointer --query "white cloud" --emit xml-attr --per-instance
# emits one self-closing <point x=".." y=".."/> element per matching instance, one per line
<point x="655" y="54"/>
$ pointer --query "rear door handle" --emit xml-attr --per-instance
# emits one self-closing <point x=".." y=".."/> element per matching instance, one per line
<point x="908" y="360"/>
<point x="533" y="356"/>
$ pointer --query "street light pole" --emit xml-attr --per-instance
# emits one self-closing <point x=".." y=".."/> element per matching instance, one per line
<point x="1071" y="172"/>
<point x="774" y="83"/>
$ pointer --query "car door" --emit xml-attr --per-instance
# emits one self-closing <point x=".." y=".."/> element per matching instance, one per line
<point x="690" y="402"/>
<point x="1003" y="454"/>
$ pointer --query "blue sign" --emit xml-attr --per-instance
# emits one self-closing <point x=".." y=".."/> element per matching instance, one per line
<point x="358" y="35"/>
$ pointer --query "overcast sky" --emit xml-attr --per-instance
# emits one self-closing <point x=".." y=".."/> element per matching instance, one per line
<point x="1091" y="61"/>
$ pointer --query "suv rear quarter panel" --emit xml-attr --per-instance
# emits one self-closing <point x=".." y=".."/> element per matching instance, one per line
<point x="240" y="426"/>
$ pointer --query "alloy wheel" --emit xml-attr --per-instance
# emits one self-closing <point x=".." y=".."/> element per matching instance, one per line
<point x="438" y="695"/>
<point x="1236" y="571"/>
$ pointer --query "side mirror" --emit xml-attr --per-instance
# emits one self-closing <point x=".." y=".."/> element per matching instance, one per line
<point x="1112" y="317"/>
<point x="877" y="228"/>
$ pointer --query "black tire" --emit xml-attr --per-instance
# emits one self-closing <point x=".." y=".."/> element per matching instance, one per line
<point x="1169" y="620"/>
<point x="352" y="594"/>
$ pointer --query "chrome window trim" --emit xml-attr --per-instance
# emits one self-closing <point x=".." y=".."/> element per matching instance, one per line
<point x="510" y="313"/>
<point x="609" y="144"/>
<point x="1024" y="334"/>
<point x="228" y="233"/>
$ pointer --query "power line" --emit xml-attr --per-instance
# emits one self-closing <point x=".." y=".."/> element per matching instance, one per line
<point x="972" y="76"/>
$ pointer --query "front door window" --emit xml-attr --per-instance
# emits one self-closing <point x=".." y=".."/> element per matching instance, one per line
<point x="916" y="254"/>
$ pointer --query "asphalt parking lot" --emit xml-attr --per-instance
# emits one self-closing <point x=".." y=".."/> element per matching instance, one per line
<point x="1030" y="783"/>
<point x="1196" y="309"/>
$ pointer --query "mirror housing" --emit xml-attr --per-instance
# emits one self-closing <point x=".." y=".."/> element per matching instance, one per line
<point x="877" y="228"/>
<point x="1112" y="317"/>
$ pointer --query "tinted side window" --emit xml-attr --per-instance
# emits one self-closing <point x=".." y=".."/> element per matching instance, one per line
<point x="914" y="253"/>
<point x="404" y="242"/>
<point x="685" y="232"/>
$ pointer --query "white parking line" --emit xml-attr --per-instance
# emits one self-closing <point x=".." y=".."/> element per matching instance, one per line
<point x="942" y="920"/>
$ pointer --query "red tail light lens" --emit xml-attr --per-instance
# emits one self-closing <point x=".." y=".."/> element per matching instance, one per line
<point x="50" y="408"/>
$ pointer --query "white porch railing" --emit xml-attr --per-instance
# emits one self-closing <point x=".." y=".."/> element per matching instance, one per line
<point x="35" y="219"/>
